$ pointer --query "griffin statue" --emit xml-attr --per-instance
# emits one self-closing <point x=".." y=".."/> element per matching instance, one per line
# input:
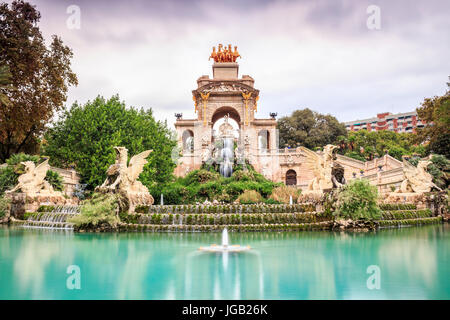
<point x="123" y="179"/>
<point x="417" y="180"/>
<point x="322" y="167"/>
<point x="33" y="182"/>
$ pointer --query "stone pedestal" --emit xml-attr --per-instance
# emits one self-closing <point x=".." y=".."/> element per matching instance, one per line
<point x="226" y="70"/>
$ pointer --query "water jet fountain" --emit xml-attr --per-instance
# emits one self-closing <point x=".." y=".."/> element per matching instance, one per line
<point x="225" y="246"/>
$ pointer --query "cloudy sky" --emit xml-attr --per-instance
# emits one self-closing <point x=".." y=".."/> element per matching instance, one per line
<point x="316" y="54"/>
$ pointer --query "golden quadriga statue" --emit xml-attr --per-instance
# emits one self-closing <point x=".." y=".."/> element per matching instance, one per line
<point x="322" y="167"/>
<point x="122" y="178"/>
<point x="416" y="182"/>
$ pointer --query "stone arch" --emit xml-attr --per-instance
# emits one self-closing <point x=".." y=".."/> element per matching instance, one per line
<point x="225" y="110"/>
<point x="188" y="141"/>
<point x="291" y="177"/>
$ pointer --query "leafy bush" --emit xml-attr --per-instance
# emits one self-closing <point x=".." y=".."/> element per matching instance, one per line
<point x="200" y="176"/>
<point x="204" y="184"/>
<point x="250" y="196"/>
<point x="358" y="200"/>
<point x="55" y="179"/>
<point x="101" y="209"/>
<point x="4" y="205"/>
<point x="283" y="193"/>
<point x="8" y="179"/>
<point x="17" y="158"/>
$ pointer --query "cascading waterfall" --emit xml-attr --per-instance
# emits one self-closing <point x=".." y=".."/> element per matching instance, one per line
<point x="226" y="166"/>
<point x="57" y="219"/>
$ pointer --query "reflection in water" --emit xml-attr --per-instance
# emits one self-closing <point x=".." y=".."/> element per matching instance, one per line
<point x="414" y="263"/>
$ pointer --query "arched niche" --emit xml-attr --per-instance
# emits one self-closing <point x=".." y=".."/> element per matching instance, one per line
<point x="291" y="178"/>
<point x="188" y="141"/>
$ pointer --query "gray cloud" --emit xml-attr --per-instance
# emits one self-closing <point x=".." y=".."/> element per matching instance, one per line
<point x="317" y="54"/>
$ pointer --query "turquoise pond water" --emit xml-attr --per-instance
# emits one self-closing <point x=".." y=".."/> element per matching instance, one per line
<point x="414" y="263"/>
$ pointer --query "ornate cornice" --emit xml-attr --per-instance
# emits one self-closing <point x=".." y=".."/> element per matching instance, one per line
<point x="225" y="87"/>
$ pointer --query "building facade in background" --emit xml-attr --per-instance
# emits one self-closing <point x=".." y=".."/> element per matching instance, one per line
<point x="400" y="122"/>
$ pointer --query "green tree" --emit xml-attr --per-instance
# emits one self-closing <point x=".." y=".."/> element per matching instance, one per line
<point x="310" y="129"/>
<point x="85" y="135"/>
<point x="39" y="78"/>
<point x="365" y="145"/>
<point x="436" y="134"/>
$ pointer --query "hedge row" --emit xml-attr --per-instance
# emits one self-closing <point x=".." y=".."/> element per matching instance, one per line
<point x="397" y="206"/>
<point x="405" y="214"/>
<point x="217" y="228"/>
<point x="225" y="219"/>
<point x="230" y="208"/>
<point x="404" y="222"/>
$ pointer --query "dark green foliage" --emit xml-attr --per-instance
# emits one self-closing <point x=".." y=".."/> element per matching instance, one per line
<point x="8" y="179"/>
<point x="364" y="145"/>
<point x="436" y="134"/>
<point x="85" y="136"/>
<point x="17" y="158"/>
<point x="101" y="209"/>
<point x="310" y="129"/>
<point x="55" y="179"/>
<point x="45" y="208"/>
<point x="204" y="184"/>
<point x="358" y="200"/>
<point x="397" y="206"/>
<point x="4" y="205"/>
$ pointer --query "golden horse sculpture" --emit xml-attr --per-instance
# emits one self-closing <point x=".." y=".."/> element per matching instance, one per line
<point x="224" y="54"/>
<point x="123" y="179"/>
<point x="33" y="182"/>
<point x="322" y="167"/>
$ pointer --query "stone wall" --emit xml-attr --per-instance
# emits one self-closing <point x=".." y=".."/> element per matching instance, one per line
<point x="70" y="179"/>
